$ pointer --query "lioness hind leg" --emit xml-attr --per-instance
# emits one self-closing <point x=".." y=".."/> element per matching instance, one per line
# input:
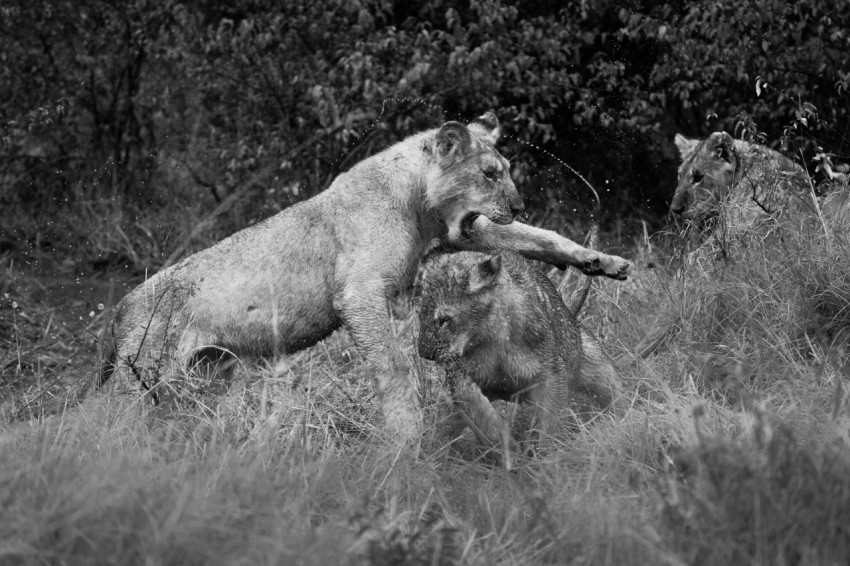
<point x="129" y="382"/>
<point x="200" y="365"/>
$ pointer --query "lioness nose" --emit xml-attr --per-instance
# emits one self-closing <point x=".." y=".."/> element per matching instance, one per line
<point x="517" y="205"/>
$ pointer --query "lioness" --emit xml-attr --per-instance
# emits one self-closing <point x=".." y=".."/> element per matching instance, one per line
<point x="499" y="328"/>
<point x="288" y="282"/>
<point x="734" y="183"/>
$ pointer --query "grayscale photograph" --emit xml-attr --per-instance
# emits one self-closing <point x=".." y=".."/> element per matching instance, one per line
<point x="428" y="283"/>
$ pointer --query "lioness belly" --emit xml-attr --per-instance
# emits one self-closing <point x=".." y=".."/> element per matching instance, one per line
<point x="265" y="312"/>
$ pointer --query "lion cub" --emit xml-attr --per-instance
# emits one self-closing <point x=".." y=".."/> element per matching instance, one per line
<point x="500" y="329"/>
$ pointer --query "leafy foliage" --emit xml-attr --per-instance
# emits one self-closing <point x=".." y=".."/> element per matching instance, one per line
<point x="155" y="102"/>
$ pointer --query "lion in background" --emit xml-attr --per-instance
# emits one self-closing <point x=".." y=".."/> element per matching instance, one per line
<point x="335" y="259"/>
<point x="734" y="185"/>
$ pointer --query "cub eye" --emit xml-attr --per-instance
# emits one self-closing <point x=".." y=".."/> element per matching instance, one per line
<point x="698" y="176"/>
<point x="443" y="320"/>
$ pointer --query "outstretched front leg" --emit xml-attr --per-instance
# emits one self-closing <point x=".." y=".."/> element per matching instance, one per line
<point x="536" y="243"/>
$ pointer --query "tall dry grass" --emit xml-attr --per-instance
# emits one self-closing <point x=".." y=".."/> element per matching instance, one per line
<point x="732" y="449"/>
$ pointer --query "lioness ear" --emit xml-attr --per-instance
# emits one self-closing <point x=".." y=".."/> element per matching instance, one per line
<point x="685" y="145"/>
<point x="491" y="126"/>
<point x="485" y="273"/>
<point x="453" y="136"/>
<point x="723" y="146"/>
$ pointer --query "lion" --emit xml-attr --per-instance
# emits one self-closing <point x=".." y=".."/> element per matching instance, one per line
<point x="734" y="184"/>
<point x="735" y="197"/>
<point x="334" y="260"/>
<point x="500" y="329"/>
<point x="729" y="192"/>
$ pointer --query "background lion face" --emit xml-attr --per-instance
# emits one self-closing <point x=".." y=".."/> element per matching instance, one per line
<point x="706" y="176"/>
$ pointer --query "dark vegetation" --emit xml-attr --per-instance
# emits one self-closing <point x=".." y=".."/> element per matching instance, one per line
<point x="134" y="134"/>
<point x="138" y="131"/>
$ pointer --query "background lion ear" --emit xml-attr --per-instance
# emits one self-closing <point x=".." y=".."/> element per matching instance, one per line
<point x="452" y="137"/>
<point x="491" y="126"/>
<point x="723" y="147"/>
<point x="686" y="146"/>
<point x="485" y="273"/>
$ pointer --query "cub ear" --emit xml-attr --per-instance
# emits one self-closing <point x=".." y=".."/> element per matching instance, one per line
<point x="723" y="146"/>
<point x="491" y="126"/>
<point x="685" y="145"/>
<point x="452" y="137"/>
<point x="485" y="274"/>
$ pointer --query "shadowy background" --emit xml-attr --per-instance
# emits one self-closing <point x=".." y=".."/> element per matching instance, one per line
<point x="134" y="133"/>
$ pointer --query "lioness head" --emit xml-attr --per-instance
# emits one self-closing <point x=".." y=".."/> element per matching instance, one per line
<point x="468" y="177"/>
<point x="456" y="303"/>
<point x="706" y="175"/>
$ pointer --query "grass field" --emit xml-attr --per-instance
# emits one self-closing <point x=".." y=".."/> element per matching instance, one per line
<point x="734" y="447"/>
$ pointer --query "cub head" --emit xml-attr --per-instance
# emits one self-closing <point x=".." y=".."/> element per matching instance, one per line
<point x="706" y="175"/>
<point x="468" y="177"/>
<point x="456" y="300"/>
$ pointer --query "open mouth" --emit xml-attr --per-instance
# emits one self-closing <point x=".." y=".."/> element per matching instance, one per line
<point x="467" y="222"/>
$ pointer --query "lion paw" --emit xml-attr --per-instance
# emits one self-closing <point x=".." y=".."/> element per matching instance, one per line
<point x="615" y="267"/>
<point x="611" y="266"/>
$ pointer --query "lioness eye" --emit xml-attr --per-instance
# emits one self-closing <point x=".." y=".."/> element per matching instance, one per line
<point x="443" y="320"/>
<point x="698" y="176"/>
<point x="491" y="173"/>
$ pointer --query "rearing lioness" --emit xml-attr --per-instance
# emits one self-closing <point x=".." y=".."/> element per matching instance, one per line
<point x="334" y="259"/>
